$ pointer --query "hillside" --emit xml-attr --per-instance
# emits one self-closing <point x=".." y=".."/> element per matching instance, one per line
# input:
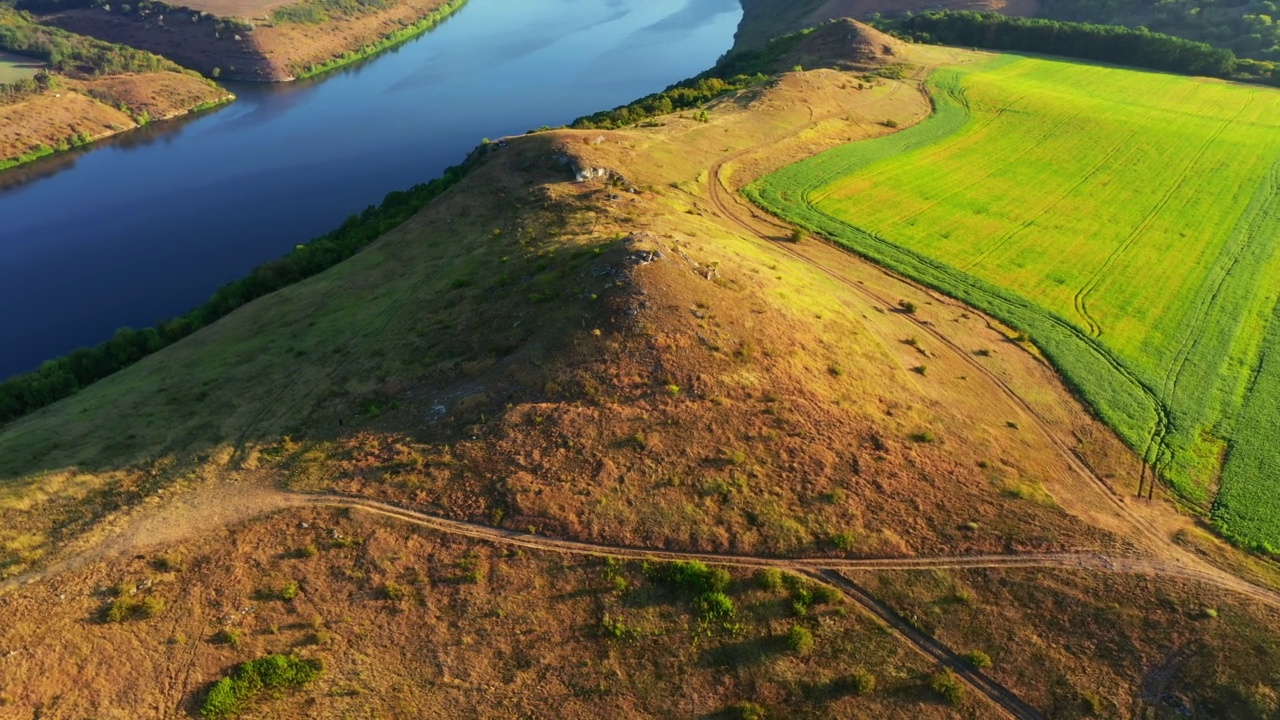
<point x="76" y="89"/>
<point x="263" y="41"/>
<point x="456" y="470"/>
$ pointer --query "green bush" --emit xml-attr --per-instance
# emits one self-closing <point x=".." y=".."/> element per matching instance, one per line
<point x="859" y="682"/>
<point x="715" y="607"/>
<point x="132" y="608"/>
<point x="226" y="636"/>
<point x="978" y="659"/>
<point x="800" y="640"/>
<point x="693" y="577"/>
<point x="769" y="578"/>
<point x="947" y="686"/>
<point x="747" y="711"/>
<point x="231" y="695"/>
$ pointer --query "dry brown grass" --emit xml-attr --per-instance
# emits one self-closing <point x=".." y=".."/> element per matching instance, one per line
<point x="93" y="107"/>
<point x="474" y="631"/>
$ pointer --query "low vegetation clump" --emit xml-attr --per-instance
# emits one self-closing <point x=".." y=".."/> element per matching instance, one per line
<point x="748" y="711"/>
<point x="800" y="640"/>
<point x="947" y="686"/>
<point x="233" y="694"/>
<point x="860" y="682"/>
<point x="978" y="659"/>
<point x="122" y="609"/>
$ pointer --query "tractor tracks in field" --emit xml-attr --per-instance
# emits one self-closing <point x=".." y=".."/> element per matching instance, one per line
<point x="1251" y="227"/>
<point x="1081" y="299"/>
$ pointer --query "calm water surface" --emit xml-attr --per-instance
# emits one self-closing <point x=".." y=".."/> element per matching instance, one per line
<point x="147" y="226"/>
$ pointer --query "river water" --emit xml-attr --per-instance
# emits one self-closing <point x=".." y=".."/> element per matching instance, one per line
<point x="147" y="225"/>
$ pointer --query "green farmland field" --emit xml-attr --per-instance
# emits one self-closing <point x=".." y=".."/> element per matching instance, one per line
<point x="1128" y="222"/>
<point x="16" y="67"/>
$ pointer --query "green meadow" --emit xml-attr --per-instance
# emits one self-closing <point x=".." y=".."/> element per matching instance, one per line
<point x="1128" y="222"/>
<point x="16" y="67"/>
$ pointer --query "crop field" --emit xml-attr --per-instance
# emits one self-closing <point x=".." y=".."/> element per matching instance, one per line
<point x="16" y="67"/>
<point x="1127" y="222"/>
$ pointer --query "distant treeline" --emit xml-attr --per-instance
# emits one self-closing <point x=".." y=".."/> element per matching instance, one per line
<point x="1137" y="47"/>
<point x="686" y="95"/>
<point x="735" y="71"/>
<point x="73" y="54"/>
<point x="62" y="377"/>
<point x="1249" y="28"/>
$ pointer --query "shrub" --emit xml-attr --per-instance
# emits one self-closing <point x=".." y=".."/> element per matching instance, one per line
<point x="304" y="552"/>
<point x="907" y="307"/>
<point x="392" y="591"/>
<point x="859" y="682"/>
<point x="844" y="541"/>
<point x="693" y="577"/>
<point x="747" y="711"/>
<point x="978" y="659"/>
<point x="231" y="695"/>
<point x="226" y="636"/>
<point x="715" y="606"/>
<point x="923" y="437"/>
<point x="824" y="595"/>
<point x="132" y="608"/>
<point x="800" y="640"/>
<point x="616" y="629"/>
<point x="289" y="591"/>
<point x="769" y="578"/>
<point x="947" y="686"/>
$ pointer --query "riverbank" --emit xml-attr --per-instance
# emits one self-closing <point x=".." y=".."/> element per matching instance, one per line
<point x="79" y="112"/>
<point x="264" y="42"/>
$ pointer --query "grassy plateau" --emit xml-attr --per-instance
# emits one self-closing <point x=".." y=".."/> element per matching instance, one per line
<point x="1125" y="221"/>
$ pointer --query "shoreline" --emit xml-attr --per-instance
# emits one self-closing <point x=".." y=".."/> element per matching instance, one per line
<point x="427" y="23"/>
<point x="42" y="152"/>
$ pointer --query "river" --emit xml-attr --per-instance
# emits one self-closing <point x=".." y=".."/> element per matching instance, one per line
<point x="147" y="225"/>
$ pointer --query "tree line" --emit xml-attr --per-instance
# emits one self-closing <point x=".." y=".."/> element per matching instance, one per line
<point x="73" y="54"/>
<point x="735" y="71"/>
<point x="683" y="96"/>
<point x="1137" y="47"/>
<point x="62" y="377"/>
<point x="1249" y="28"/>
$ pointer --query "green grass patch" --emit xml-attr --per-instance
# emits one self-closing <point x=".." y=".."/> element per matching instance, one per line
<point x="1125" y="222"/>
<point x="232" y="695"/>
<point x="16" y="67"/>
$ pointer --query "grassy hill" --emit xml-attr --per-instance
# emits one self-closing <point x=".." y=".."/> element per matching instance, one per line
<point x="585" y="360"/>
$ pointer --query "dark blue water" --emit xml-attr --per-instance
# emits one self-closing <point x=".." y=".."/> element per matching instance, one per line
<point x="147" y="226"/>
